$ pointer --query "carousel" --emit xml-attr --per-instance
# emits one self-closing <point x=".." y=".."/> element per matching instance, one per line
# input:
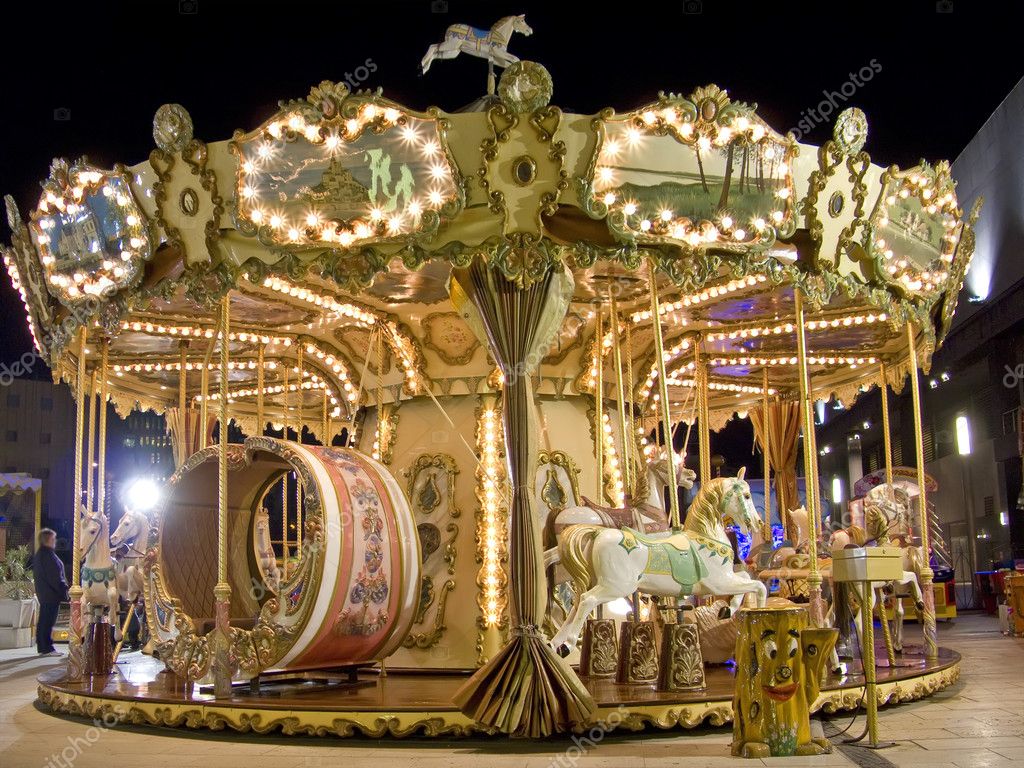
<point x="450" y="347"/>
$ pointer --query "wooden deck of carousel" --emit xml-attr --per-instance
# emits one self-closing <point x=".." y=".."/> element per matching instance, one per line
<point x="406" y="702"/>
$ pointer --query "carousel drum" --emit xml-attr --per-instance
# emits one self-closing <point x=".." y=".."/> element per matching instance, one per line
<point x="350" y="594"/>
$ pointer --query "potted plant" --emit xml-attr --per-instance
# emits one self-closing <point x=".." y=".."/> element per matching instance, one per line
<point x="17" y="605"/>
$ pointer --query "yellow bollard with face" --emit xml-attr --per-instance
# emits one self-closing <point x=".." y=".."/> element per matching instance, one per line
<point x="779" y="662"/>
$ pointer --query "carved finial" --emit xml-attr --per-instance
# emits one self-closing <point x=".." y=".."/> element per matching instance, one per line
<point x="850" y="131"/>
<point x="525" y="87"/>
<point x="172" y="128"/>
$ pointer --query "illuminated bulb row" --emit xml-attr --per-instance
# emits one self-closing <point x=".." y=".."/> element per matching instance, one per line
<point x="606" y="345"/>
<point x="611" y="464"/>
<point x="197" y="332"/>
<point x="703" y="295"/>
<point x="811" y="325"/>
<point x="15" y="276"/>
<point x="720" y="386"/>
<point x="811" y="360"/>
<point x="335" y="365"/>
<point x="274" y="389"/>
<point x="233" y="365"/>
<point x="493" y="510"/>
<point x="324" y="301"/>
<point x="670" y="355"/>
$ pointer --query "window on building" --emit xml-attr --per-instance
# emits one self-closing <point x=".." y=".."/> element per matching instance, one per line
<point x="46" y="404"/>
<point x="13" y="400"/>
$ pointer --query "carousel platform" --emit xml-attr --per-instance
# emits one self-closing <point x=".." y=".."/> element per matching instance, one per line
<point x="408" y="703"/>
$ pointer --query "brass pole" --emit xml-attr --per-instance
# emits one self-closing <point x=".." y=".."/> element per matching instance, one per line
<point x="886" y="436"/>
<point x="222" y="478"/>
<point x="700" y="380"/>
<point x="101" y="465"/>
<point x="926" y="574"/>
<point x="766" y="434"/>
<point x="90" y="462"/>
<point x="325" y="427"/>
<point x="184" y="443"/>
<point x="599" y="402"/>
<point x="76" y="553"/>
<point x="620" y="391"/>
<point x="222" y="590"/>
<point x="204" y="392"/>
<point x="633" y="458"/>
<point x="299" y="398"/>
<point x="284" y="482"/>
<point x="260" y="383"/>
<point x="817" y="614"/>
<point x="666" y="416"/>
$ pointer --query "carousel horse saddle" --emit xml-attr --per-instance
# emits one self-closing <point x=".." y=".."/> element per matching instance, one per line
<point x="673" y="555"/>
<point x="626" y="517"/>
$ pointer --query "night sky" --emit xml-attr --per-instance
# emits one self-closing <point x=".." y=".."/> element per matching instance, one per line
<point x="935" y="76"/>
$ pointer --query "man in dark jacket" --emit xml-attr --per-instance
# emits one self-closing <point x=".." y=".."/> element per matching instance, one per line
<point x="51" y="590"/>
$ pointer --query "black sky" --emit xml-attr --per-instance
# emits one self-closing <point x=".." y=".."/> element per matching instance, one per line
<point x="112" y="64"/>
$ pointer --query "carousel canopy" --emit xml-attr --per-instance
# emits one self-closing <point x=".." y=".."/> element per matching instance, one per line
<point x="333" y="228"/>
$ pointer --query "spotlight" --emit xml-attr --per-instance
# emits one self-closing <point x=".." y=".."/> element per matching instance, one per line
<point x="142" y="495"/>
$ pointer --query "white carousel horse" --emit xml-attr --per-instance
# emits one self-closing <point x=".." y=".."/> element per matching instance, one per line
<point x="98" y="575"/>
<point x="264" y="551"/>
<point x="613" y="563"/>
<point x="907" y="584"/>
<point x="131" y="529"/>
<point x="486" y="44"/>
<point x="647" y="517"/>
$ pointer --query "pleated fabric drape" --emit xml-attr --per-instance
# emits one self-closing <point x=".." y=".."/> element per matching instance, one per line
<point x="526" y="689"/>
<point x="186" y="434"/>
<point x="785" y="430"/>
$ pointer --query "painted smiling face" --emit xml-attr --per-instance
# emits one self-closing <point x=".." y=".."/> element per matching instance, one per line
<point x="776" y="656"/>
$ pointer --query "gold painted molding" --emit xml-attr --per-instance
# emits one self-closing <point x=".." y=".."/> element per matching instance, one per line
<point x="444" y="723"/>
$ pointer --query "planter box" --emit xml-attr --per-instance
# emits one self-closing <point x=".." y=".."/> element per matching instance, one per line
<point x="17" y="614"/>
<point x="15" y="638"/>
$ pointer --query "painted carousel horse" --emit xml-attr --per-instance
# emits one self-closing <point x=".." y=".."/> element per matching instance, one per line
<point x="882" y="515"/>
<point x="264" y="550"/>
<point x="485" y="44"/>
<point x="648" y="516"/>
<point x="98" y="575"/>
<point x="610" y="563"/>
<point x="128" y="542"/>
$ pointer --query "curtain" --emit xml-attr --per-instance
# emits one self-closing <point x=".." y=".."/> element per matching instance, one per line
<point x="526" y="689"/>
<point x="185" y="432"/>
<point x="785" y="429"/>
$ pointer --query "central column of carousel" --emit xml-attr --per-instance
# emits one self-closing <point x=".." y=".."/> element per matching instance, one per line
<point x="221" y="644"/>
<point x="526" y="689"/>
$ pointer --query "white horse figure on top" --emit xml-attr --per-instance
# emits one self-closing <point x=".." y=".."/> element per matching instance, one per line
<point x="485" y="44"/>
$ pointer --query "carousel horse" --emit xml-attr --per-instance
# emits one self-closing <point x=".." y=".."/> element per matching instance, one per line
<point x="264" y="550"/>
<point x="485" y="44"/>
<point x="877" y="534"/>
<point x="648" y="516"/>
<point x="610" y="563"/>
<point x="98" y="575"/>
<point x="125" y="540"/>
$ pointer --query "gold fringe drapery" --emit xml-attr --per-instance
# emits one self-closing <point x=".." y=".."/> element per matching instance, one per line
<point x="187" y="435"/>
<point x="526" y="689"/>
<point x="782" y="440"/>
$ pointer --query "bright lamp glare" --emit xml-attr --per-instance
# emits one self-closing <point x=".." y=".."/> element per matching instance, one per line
<point x="837" y="490"/>
<point x="963" y="436"/>
<point x="142" y="495"/>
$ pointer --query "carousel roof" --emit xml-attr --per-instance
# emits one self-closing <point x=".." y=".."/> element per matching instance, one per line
<point x="334" y="225"/>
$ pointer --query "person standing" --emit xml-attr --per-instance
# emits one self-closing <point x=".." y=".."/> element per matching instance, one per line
<point x="51" y="590"/>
